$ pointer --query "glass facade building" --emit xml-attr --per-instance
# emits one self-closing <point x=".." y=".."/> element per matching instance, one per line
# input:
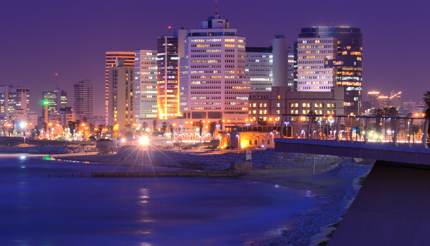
<point x="168" y="91"/>
<point x="347" y="60"/>
<point x="145" y="85"/>
<point x="259" y="68"/>
<point x="111" y="57"/>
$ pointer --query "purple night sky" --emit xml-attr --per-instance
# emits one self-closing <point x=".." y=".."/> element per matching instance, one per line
<point x="44" y="37"/>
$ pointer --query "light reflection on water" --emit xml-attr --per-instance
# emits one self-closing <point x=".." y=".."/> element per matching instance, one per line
<point x="44" y="209"/>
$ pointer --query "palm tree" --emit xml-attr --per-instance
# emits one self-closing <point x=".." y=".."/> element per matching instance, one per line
<point x="378" y="113"/>
<point x="392" y="114"/>
<point x="427" y="102"/>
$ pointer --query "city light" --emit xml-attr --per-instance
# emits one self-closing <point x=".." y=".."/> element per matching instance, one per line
<point x="123" y="140"/>
<point x="45" y="102"/>
<point x="215" y="120"/>
<point x="144" y="141"/>
<point x="22" y="125"/>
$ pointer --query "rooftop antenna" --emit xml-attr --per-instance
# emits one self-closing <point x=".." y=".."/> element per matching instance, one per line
<point x="57" y="79"/>
<point x="216" y="5"/>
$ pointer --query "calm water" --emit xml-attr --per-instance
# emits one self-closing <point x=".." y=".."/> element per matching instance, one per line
<point x="42" y="205"/>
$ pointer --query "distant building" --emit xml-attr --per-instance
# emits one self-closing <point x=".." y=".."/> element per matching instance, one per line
<point x="409" y="107"/>
<point x="168" y="90"/>
<point x="83" y="104"/>
<point x="215" y="83"/>
<point x="111" y="57"/>
<point x="121" y="100"/>
<point x="331" y="56"/>
<point x="14" y="103"/>
<point x="259" y="68"/>
<point x="145" y="85"/>
<point x="54" y="101"/>
<point x="375" y="99"/>
<point x="66" y="115"/>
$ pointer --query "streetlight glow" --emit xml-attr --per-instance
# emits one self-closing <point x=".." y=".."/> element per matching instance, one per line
<point x="22" y="125"/>
<point x="144" y="141"/>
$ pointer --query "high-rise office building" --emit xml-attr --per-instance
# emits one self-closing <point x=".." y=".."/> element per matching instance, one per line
<point x="83" y="100"/>
<point x="259" y="68"/>
<point x="111" y="57"/>
<point x="66" y="115"/>
<point x="14" y="102"/>
<point x="329" y="56"/>
<point x="315" y="69"/>
<point x="145" y="85"/>
<point x="168" y="91"/>
<point x="121" y="99"/>
<point x="215" y="83"/>
<point x="54" y="101"/>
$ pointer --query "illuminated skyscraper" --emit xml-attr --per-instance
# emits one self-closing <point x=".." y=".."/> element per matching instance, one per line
<point x="83" y="100"/>
<point x="168" y="93"/>
<point x="128" y="59"/>
<point x="259" y="68"/>
<point x="14" y="103"/>
<point x="145" y="85"/>
<point x="329" y="56"/>
<point x="121" y="99"/>
<point x="292" y="68"/>
<point x="55" y="100"/>
<point x="215" y="84"/>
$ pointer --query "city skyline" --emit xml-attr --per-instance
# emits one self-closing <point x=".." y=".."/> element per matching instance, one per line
<point x="79" y="40"/>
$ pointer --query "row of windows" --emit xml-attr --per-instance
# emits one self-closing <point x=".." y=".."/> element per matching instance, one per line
<point x="307" y="111"/>
<point x="206" y="56"/>
<point x="206" y="87"/>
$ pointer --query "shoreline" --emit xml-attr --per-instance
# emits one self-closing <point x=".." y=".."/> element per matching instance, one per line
<point x="333" y="181"/>
<point x="334" y="185"/>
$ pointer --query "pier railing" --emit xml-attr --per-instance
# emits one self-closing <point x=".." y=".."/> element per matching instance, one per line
<point x="374" y="129"/>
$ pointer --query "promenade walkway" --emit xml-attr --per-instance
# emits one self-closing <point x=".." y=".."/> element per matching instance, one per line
<point x="401" y="153"/>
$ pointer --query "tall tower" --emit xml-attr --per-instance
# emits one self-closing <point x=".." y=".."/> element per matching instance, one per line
<point x="83" y="100"/>
<point x="121" y="99"/>
<point x="347" y="60"/>
<point x="168" y="93"/>
<point x="145" y="85"/>
<point x="111" y="57"/>
<point x="280" y="61"/>
<point x="14" y="102"/>
<point x="216" y="87"/>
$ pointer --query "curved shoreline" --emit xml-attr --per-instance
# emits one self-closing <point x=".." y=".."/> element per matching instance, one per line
<point x="334" y="186"/>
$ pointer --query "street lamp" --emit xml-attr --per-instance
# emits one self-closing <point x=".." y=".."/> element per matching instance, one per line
<point x="23" y="126"/>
